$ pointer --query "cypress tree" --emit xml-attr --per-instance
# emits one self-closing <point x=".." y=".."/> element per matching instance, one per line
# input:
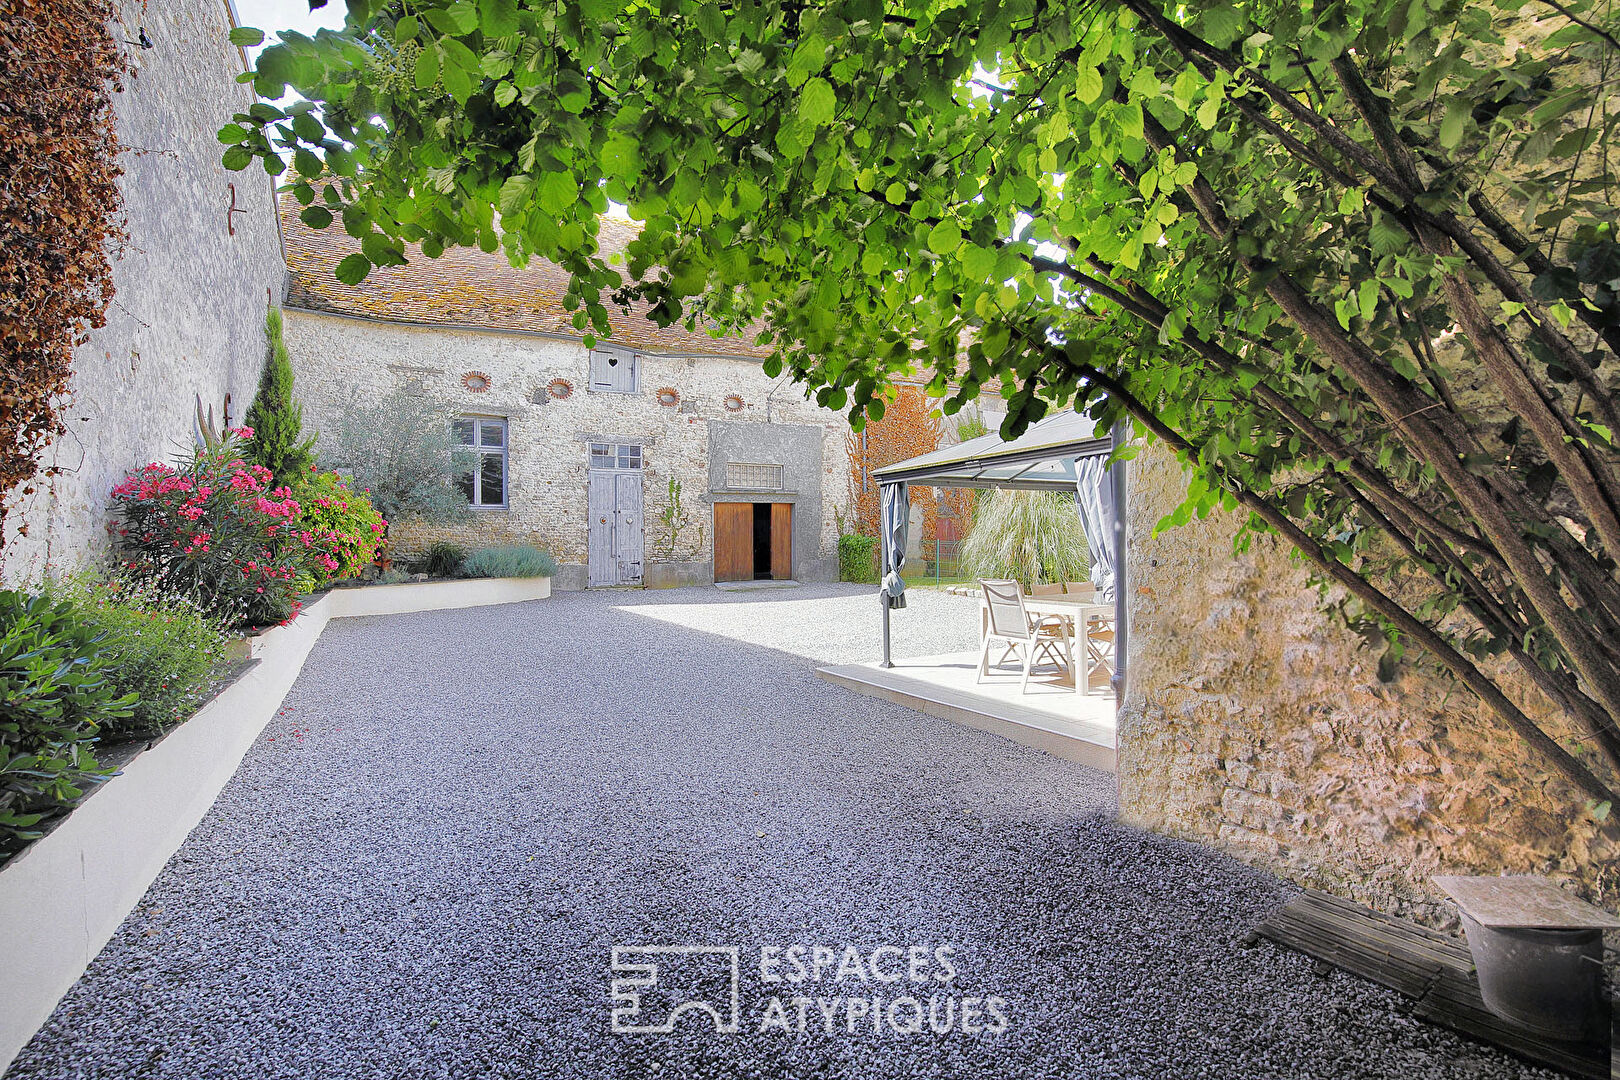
<point x="277" y="421"/>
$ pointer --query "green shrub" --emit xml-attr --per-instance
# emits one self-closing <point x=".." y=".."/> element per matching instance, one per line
<point x="392" y="576"/>
<point x="160" y="646"/>
<point x="56" y="693"/>
<point x="518" y="560"/>
<point x="857" y="558"/>
<point x="1027" y="536"/>
<point x="274" y="418"/>
<point x="339" y="526"/>
<point x="399" y="449"/>
<point x="443" y="559"/>
<point x="216" y="530"/>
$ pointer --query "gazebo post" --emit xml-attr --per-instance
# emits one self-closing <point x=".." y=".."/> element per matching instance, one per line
<point x="883" y="600"/>
<point x="1116" y="477"/>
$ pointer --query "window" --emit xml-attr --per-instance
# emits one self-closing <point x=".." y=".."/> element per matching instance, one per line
<point x="615" y="456"/>
<point x="745" y="476"/>
<point x="485" y="483"/>
<point x="613" y="371"/>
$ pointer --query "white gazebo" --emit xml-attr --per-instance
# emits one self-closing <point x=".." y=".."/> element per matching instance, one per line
<point x="1060" y="453"/>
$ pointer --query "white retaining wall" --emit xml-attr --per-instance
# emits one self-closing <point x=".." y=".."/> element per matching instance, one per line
<point x="63" y="896"/>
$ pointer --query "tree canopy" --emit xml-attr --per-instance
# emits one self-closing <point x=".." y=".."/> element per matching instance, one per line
<point x="1354" y="262"/>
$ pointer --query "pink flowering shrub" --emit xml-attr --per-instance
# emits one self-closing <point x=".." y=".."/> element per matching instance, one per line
<point x="338" y="525"/>
<point x="215" y="530"/>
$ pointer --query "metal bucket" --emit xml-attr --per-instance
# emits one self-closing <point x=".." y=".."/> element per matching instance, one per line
<point x="1550" y="981"/>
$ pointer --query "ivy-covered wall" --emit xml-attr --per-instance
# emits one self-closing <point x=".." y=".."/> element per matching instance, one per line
<point x="187" y="315"/>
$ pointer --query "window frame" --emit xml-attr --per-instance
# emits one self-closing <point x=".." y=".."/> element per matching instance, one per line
<point x="617" y="452"/>
<point x="480" y="452"/>
<point x="779" y="472"/>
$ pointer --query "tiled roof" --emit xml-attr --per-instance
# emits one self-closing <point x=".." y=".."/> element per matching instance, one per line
<point x="468" y="287"/>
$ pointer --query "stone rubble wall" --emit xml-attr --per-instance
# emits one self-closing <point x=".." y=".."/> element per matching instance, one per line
<point x="1253" y="723"/>
<point x="339" y="358"/>
<point x="188" y="315"/>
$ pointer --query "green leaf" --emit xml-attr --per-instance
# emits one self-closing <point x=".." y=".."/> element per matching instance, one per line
<point x="558" y="192"/>
<point x="1222" y="25"/>
<point x="246" y="36"/>
<point x="457" y="81"/>
<point x="1088" y="84"/>
<point x="460" y="17"/>
<point x="1346" y="310"/>
<point x="316" y="217"/>
<point x="232" y="133"/>
<point x="236" y="158"/>
<point x="978" y="263"/>
<point x="1367" y="297"/>
<point x="817" y="102"/>
<point x="944" y="238"/>
<point x="353" y="269"/>
<point x="405" y="29"/>
<point x="380" y="250"/>
<point x="498" y="18"/>
<point x="515" y="194"/>
<point x="307" y="163"/>
<point x="1451" y="128"/>
<point x="1209" y="113"/>
<point x="427" y="68"/>
<point x="896" y="193"/>
<point x="308" y="128"/>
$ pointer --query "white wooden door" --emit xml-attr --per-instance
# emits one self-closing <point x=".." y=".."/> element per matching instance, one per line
<point x="627" y="527"/>
<point x="614" y="536"/>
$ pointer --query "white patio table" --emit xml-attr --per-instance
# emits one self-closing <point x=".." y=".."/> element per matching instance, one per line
<point x="1080" y="613"/>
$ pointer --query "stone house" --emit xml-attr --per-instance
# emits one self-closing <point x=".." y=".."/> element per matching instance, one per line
<point x="659" y="457"/>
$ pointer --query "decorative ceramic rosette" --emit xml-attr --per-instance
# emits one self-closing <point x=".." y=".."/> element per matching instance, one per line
<point x="668" y="396"/>
<point x="733" y="403"/>
<point x="476" y="381"/>
<point x="560" y="389"/>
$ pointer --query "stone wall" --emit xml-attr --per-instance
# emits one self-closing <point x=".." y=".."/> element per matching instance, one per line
<point x="188" y="316"/>
<point x="1254" y="724"/>
<point x="337" y="358"/>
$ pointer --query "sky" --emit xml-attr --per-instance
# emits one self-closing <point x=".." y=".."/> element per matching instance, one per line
<point x="273" y="15"/>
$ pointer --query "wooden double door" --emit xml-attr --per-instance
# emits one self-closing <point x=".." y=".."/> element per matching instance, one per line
<point x="753" y="541"/>
<point x="614" y="535"/>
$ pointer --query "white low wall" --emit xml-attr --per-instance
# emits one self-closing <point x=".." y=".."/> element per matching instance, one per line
<point x="62" y="898"/>
<point x="435" y="595"/>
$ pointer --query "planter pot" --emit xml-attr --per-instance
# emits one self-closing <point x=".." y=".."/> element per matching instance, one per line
<point x="1550" y="981"/>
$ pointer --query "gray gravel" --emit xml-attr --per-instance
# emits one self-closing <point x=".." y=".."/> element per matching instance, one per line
<point x="422" y="866"/>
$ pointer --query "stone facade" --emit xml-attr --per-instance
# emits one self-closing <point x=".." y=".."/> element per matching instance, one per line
<point x="339" y="357"/>
<point x="188" y="317"/>
<point x="1254" y="724"/>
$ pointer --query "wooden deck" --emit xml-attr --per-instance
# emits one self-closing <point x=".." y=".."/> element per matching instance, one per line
<point x="1051" y="717"/>
<point x="1434" y="969"/>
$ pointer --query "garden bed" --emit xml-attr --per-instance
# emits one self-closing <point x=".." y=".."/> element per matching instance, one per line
<point x="64" y="895"/>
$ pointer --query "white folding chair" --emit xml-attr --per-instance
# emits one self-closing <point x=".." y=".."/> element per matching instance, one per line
<point x="1010" y="622"/>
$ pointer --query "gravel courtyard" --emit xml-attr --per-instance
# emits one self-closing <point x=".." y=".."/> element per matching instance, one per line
<point x="424" y="865"/>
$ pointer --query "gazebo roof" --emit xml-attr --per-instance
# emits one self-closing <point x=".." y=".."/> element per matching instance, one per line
<point x="1041" y="459"/>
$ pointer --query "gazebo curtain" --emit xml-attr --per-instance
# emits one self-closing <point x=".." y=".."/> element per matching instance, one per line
<point x="1094" y="497"/>
<point x="894" y="513"/>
